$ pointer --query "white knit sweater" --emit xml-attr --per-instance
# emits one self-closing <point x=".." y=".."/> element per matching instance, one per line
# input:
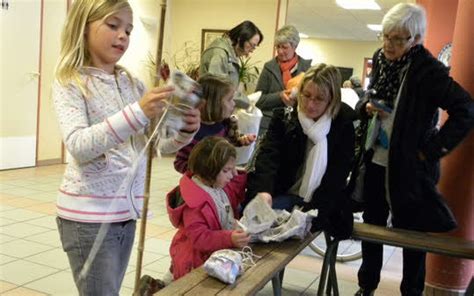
<point x="104" y="134"/>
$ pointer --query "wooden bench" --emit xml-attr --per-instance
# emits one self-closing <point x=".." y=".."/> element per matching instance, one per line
<point x="434" y="243"/>
<point x="274" y="258"/>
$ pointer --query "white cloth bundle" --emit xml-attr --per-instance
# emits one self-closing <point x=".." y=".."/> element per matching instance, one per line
<point x="224" y="265"/>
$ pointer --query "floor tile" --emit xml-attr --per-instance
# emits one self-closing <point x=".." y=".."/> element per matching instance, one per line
<point x="46" y="222"/>
<point x="299" y="278"/>
<point x="5" y="207"/>
<point x="50" y="238"/>
<point x="21" y="230"/>
<point x="20" y="272"/>
<point x="55" y="258"/>
<point x="23" y="191"/>
<point x="22" y="215"/>
<point x="6" y="238"/>
<point x="5" y="286"/>
<point x="157" y="246"/>
<point x="148" y="257"/>
<point x="6" y="221"/>
<point x="23" y="292"/>
<point x="6" y="259"/>
<point x="47" y="208"/>
<point x="160" y="266"/>
<point x="21" y="248"/>
<point x="60" y="283"/>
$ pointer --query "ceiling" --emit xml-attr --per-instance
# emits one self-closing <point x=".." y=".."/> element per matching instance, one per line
<point x="324" y="19"/>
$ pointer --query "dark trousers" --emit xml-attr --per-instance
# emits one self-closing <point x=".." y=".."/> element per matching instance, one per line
<point x="376" y="213"/>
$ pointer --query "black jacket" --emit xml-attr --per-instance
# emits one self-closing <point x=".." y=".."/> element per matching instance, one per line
<point x="415" y="202"/>
<point x="282" y="153"/>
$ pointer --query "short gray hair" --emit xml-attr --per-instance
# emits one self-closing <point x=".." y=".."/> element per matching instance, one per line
<point x="287" y="34"/>
<point x="406" y="16"/>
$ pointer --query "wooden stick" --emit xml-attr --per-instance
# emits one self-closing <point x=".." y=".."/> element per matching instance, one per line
<point x="150" y="153"/>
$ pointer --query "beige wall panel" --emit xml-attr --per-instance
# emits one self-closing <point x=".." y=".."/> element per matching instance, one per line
<point x="189" y="17"/>
<point x="49" y="137"/>
<point x="339" y="53"/>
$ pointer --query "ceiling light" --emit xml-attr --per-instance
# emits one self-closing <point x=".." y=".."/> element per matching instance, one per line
<point x="375" y="27"/>
<point x="358" y="4"/>
<point x="303" y="35"/>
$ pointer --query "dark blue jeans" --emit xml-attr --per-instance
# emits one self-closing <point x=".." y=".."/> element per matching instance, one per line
<point x="376" y="213"/>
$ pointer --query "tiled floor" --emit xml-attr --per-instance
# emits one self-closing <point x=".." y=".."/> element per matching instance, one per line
<point x="33" y="263"/>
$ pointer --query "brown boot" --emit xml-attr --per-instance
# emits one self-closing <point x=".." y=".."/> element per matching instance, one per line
<point x="149" y="286"/>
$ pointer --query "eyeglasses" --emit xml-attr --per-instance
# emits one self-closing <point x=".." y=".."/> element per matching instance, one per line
<point x="252" y="45"/>
<point x="397" y="41"/>
<point x="318" y="100"/>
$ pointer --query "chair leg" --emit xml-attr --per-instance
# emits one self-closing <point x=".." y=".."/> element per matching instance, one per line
<point x="276" y="285"/>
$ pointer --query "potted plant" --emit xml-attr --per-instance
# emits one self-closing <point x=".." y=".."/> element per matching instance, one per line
<point x="248" y="72"/>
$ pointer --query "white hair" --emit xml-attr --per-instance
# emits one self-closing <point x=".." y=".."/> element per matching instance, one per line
<point x="287" y="34"/>
<point x="406" y="16"/>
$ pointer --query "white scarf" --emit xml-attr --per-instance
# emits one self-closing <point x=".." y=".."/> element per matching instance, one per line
<point x="317" y="159"/>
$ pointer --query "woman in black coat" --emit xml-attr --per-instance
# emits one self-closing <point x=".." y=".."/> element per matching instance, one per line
<point x="402" y="168"/>
<point x="307" y="153"/>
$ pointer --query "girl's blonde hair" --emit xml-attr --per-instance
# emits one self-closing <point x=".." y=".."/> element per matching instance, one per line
<point x="214" y="88"/>
<point x="326" y="77"/>
<point x="209" y="156"/>
<point x="73" y="53"/>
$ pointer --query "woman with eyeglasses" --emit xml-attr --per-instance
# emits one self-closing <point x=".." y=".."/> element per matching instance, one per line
<point x="402" y="166"/>
<point x="273" y="82"/>
<point x="307" y="153"/>
<point x="221" y="58"/>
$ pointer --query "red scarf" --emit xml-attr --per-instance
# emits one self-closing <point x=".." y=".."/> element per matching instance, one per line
<point x="285" y="68"/>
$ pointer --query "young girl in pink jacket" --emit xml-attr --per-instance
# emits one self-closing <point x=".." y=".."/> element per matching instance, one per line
<point x="205" y="204"/>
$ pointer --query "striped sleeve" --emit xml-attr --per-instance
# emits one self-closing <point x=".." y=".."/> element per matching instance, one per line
<point x="130" y="120"/>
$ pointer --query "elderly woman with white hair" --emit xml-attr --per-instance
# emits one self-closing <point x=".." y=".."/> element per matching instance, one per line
<point x="402" y="167"/>
<point x="277" y="72"/>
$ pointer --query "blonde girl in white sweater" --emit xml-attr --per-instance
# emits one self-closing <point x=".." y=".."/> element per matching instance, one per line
<point x="102" y="112"/>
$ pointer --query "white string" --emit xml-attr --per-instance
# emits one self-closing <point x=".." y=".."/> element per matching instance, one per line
<point x="128" y="184"/>
<point x="248" y="257"/>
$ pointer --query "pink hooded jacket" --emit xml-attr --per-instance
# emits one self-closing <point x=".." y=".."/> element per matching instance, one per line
<point x="194" y="213"/>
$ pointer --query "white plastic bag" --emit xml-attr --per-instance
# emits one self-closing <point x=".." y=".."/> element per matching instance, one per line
<point x="249" y="123"/>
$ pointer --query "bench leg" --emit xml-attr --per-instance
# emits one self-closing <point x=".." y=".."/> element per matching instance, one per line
<point x="332" y="281"/>
<point x="328" y="270"/>
<point x="470" y="288"/>
<point x="276" y="284"/>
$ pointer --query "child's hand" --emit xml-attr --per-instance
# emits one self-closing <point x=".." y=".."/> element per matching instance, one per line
<point x="152" y="102"/>
<point x="240" y="238"/>
<point x="192" y="120"/>
<point x="267" y="197"/>
<point x="247" y="139"/>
